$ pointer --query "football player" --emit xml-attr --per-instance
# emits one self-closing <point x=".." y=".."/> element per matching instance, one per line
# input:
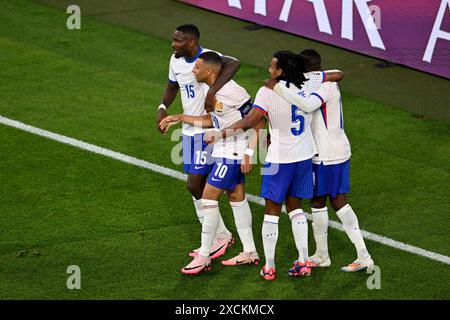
<point x="232" y="103"/>
<point x="195" y="97"/>
<point x="331" y="166"/>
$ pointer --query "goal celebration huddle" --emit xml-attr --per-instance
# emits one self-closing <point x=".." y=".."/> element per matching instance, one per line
<point x="308" y="156"/>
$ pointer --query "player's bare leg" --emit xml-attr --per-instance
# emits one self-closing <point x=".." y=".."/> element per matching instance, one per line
<point x="351" y="226"/>
<point x="196" y="184"/>
<point x="321" y="257"/>
<point x="338" y="202"/>
<point x="319" y="202"/>
<point x="243" y="219"/>
<point x="270" y="237"/>
<point x="300" y="231"/>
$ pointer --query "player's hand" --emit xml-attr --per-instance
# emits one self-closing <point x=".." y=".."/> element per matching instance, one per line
<point x="210" y="100"/>
<point x="246" y="165"/>
<point x="270" y="83"/>
<point x="161" y="115"/>
<point x="169" y="121"/>
<point x="212" y="137"/>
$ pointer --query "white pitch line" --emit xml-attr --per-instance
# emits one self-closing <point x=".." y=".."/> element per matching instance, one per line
<point x="181" y="176"/>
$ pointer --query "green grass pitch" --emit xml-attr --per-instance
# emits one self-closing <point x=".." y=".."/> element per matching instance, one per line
<point x="130" y="229"/>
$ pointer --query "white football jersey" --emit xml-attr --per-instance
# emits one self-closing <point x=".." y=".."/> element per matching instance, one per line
<point x="193" y="93"/>
<point x="291" y="139"/>
<point x="314" y="80"/>
<point x="232" y="103"/>
<point x="328" y="126"/>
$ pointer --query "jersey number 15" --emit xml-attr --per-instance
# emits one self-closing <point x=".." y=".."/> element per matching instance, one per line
<point x="190" y="91"/>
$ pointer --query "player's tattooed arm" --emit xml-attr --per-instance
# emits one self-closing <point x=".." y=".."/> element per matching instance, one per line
<point x="168" y="97"/>
<point x="230" y="66"/>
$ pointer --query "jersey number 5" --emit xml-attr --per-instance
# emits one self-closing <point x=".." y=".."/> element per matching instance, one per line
<point x="190" y="91"/>
<point x="297" y="118"/>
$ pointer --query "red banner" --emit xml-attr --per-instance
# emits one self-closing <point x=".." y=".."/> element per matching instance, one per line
<point x="415" y="33"/>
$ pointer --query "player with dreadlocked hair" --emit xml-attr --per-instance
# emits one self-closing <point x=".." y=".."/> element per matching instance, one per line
<point x="293" y="67"/>
<point x="287" y="173"/>
<point x="331" y="165"/>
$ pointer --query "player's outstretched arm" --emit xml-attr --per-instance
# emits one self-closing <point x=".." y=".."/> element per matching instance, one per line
<point x="168" y="97"/>
<point x="333" y="75"/>
<point x="253" y="139"/>
<point x="230" y="66"/>
<point x="248" y="122"/>
<point x="203" y="121"/>
<point x="308" y="105"/>
<point x="246" y="165"/>
<point x="291" y="95"/>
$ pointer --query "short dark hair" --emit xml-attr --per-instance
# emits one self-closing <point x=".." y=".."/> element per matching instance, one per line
<point x="211" y="57"/>
<point x="189" y="29"/>
<point x="291" y="66"/>
<point x="312" y="59"/>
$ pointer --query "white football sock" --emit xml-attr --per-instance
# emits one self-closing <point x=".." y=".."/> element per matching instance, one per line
<point x="198" y="209"/>
<point x="320" y="230"/>
<point x="351" y="227"/>
<point x="222" y="229"/>
<point x="300" y="231"/>
<point x="270" y="237"/>
<point x="243" y="219"/>
<point x="210" y="223"/>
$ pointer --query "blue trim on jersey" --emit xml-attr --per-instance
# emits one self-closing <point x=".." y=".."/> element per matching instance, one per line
<point x="324" y="76"/>
<point x="173" y="82"/>
<point x="196" y="56"/>
<point x="259" y="108"/>
<point x="318" y="96"/>
<point x="323" y="111"/>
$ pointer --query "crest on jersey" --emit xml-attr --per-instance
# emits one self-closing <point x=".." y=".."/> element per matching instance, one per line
<point x="218" y="107"/>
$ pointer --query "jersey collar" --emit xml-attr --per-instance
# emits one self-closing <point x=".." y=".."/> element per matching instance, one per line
<point x="196" y="56"/>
